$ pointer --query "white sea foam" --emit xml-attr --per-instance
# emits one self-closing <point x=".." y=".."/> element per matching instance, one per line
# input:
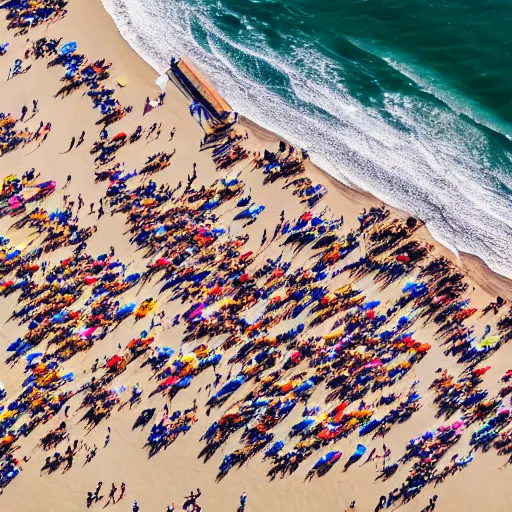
<point x="428" y="167"/>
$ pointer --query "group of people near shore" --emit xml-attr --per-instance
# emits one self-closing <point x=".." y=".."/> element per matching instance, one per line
<point x="250" y="320"/>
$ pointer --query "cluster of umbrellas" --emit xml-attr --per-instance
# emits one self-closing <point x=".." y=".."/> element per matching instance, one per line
<point x="25" y="14"/>
<point x="16" y="193"/>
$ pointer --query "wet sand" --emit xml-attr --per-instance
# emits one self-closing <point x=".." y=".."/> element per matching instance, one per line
<point x="170" y="475"/>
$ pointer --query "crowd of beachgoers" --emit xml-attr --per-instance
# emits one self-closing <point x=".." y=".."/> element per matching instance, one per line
<point x="249" y="318"/>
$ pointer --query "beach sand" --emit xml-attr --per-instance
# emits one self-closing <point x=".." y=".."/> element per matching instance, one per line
<point x="170" y="475"/>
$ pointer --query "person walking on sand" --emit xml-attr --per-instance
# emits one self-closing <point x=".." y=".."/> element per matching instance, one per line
<point x="112" y="495"/>
<point x="80" y="202"/>
<point x="243" y="501"/>
<point x="91" y="206"/>
<point x="35" y="108"/>
<point x="107" y="438"/>
<point x="81" y="139"/>
<point x="381" y="505"/>
<point x="431" y="504"/>
<point x="171" y="135"/>
<point x="97" y="491"/>
<point x="101" y="212"/>
<point x="72" y="145"/>
<point x="24" y="111"/>
<point x="264" y="237"/>
<point x="68" y="181"/>
<point x="135" y="507"/>
<point x="123" y="490"/>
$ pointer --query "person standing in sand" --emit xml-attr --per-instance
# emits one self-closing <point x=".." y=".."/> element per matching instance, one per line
<point x="112" y="495"/>
<point x="81" y="139"/>
<point x="71" y="145"/>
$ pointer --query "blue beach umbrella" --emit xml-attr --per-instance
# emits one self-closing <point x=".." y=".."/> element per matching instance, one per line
<point x="68" y="48"/>
<point x="328" y="458"/>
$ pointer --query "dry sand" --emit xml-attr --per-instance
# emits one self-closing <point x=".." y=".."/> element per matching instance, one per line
<point x="171" y="475"/>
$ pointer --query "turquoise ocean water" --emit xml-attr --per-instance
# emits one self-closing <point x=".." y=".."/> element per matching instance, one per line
<point x="409" y="99"/>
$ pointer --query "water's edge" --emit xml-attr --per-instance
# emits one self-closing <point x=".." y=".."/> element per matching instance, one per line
<point x="473" y="259"/>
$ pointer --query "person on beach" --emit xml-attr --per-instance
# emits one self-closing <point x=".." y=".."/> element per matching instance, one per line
<point x="81" y="139"/>
<point x="35" y="107"/>
<point x="68" y="181"/>
<point x="243" y="501"/>
<point x="107" y="438"/>
<point x="135" y="507"/>
<point x="71" y="145"/>
<point x="171" y="134"/>
<point x="263" y="237"/>
<point x="97" y="491"/>
<point x="24" y="111"/>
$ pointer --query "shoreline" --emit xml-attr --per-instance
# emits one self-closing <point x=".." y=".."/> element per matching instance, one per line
<point x="471" y="264"/>
<point x="270" y="136"/>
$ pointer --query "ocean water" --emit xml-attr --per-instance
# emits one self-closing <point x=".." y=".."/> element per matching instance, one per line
<point x="409" y="99"/>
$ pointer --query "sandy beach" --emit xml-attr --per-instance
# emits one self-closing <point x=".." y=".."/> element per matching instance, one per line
<point x="170" y="475"/>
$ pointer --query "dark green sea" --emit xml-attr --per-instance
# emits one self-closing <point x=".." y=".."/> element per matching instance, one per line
<point x="410" y="99"/>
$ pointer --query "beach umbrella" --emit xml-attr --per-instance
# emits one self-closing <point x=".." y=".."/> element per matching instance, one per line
<point x="371" y="305"/>
<point x="119" y="136"/>
<point x="360" y="450"/>
<point x="132" y="278"/>
<point x="243" y="202"/>
<point x="274" y="449"/>
<point x="68" y="48"/>
<point x="328" y="458"/>
<point x="125" y="310"/>
<point x="59" y="317"/>
<point x="90" y="279"/>
<point x="302" y="425"/>
<point x="338" y="411"/>
<point x="183" y="383"/>
<point x="489" y="341"/>
<point x="170" y="381"/>
<point x="87" y="332"/>
<point x="231" y="386"/>
<point x="30" y="357"/>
